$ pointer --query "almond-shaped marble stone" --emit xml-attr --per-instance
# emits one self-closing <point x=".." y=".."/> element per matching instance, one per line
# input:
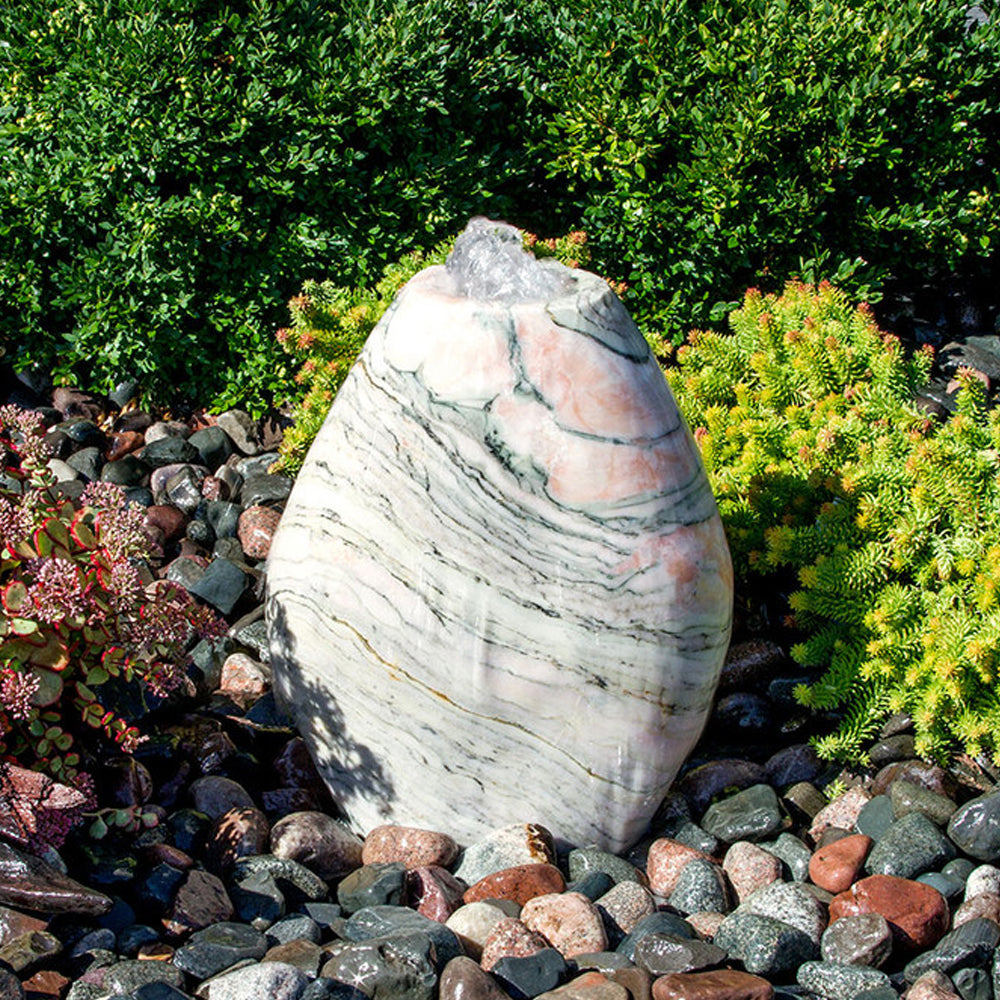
<point x="500" y="590"/>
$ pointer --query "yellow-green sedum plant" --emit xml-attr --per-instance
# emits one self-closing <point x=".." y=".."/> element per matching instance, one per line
<point x="822" y="464"/>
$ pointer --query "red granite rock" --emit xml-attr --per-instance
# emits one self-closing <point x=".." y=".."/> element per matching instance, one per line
<point x="257" y="526"/>
<point x="724" y="984"/>
<point x="750" y="868"/>
<point x="837" y="866"/>
<point x="520" y="883"/>
<point x="843" y="812"/>
<point x="243" y="679"/>
<point x="917" y="913"/>
<point x="214" y="488"/>
<point x="666" y="860"/>
<point x="509" y="938"/>
<point x="569" y="921"/>
<point x="410" y="846"/>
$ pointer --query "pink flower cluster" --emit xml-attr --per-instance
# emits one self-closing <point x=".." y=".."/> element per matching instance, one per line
<point x="57" y="592"/>
<point x="16" y="691"/>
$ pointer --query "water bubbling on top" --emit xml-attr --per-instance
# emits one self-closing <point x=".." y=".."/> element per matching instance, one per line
<point x="489" y="263"/>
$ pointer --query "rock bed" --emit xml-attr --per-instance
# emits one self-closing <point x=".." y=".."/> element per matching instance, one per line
<point x="765" y="873"/>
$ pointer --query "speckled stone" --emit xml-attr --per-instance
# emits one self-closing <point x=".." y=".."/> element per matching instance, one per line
<point x="724" y="984"/>
<point x="623" y="906"/>
<point x="521" y="883"/>
<point x="793" y="853"/>
<point x="588" y="859"/>
<point x="569" y="921"/>
<point x="372" y="885"/>
<point x="791" y="902"/>
<point x="700" y="887"/>
<point x="306" y="882"/>
<point x="510" y="937"/>
<point x="908" y="797"/>
<point x="132" y="975"/>
<point x="243" y="679"/>
<point x="506" y="847"/>
<point x="982" y="879"/>
<point x="412" y="847"/>
<point x="323" y="844"/>
<point x="273" y="980"/>
<point x="911" y="846"/>
<point x="864" y="939"/>
<point x="765" y="945"/>
<point x="840" y="982"/>
<point x="705" y="924"/>
<point x="666" y="860"/>
<point x="257" y="526"/>
<point x="753" y="814"/>
<point x="842" y="812"/>
<point x="750" y="868"/>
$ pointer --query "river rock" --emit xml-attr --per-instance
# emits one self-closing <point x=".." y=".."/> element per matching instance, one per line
<point x="527" y="519"/>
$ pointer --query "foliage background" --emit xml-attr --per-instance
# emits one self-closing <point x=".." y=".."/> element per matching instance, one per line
<point x="173" y="171"/>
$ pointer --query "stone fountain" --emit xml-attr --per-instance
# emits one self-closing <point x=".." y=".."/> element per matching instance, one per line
<point x="500" y="590"/>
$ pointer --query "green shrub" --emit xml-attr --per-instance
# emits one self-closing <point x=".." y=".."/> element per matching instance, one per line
<point x="330" y="325"/>
<point x="173" y="170"/>
<point x="77" y="614"/>
<point x="822" y="464"/>
<point x="711" y="146"/>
